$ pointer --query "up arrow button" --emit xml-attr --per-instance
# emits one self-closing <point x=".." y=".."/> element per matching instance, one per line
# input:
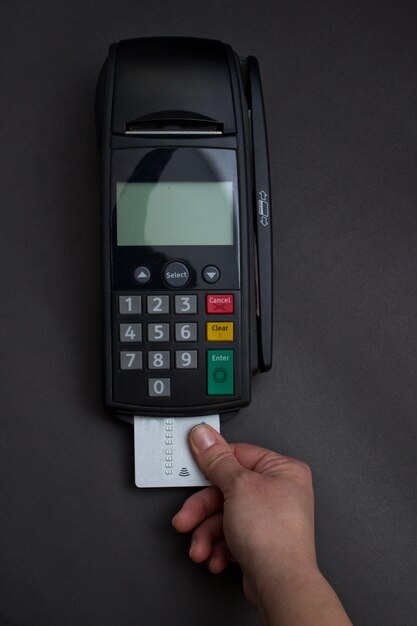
<point x="141" y="275"/>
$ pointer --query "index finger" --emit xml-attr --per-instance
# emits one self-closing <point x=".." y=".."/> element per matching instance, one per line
<point x="198" y="507"/>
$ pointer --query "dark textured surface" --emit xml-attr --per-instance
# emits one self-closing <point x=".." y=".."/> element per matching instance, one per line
<point x="79" y="544"/>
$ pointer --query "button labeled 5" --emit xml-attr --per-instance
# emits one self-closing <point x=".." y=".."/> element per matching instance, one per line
<point x="158" y="332"/>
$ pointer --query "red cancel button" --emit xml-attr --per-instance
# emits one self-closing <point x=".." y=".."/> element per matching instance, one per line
<point x="219" y="303"/>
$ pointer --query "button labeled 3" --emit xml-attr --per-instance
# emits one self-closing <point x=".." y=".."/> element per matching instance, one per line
<point x="186" y="304"/>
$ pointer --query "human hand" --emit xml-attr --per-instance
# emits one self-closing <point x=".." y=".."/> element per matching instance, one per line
<point x="259" y="513"/>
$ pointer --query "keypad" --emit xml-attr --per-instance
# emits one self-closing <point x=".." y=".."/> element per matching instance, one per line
<point x="187" y="342"/>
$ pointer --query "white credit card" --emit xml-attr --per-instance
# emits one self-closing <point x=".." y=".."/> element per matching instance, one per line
<point x="162" y="454"/>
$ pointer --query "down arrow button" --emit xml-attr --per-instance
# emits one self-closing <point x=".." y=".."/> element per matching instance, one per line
<point x="211" y="274"/>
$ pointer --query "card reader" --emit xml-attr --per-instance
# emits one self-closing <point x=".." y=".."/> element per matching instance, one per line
<point x="186" y="223"/>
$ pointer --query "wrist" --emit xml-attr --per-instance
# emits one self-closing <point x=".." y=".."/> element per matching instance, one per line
<point x="272" y="580"/>
<point x="298" y="597"/>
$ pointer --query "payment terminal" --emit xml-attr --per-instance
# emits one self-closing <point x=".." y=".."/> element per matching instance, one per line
<point x="186" y="232"/>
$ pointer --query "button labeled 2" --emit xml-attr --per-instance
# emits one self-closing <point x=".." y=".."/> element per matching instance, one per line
<point x="158" y="304"/>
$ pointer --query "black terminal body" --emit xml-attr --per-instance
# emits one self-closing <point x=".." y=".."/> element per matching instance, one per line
<point x="186" y="214"/>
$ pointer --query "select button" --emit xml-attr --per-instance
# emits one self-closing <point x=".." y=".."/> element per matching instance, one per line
<point x="176" y="274"/>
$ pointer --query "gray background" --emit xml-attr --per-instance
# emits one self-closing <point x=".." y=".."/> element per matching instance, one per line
<point x="79" y="544"/>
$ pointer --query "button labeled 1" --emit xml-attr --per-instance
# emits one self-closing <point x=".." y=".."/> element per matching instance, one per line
<point x="129" y="305"/>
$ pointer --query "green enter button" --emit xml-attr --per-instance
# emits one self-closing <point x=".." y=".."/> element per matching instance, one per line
<point x="220" y="372"/>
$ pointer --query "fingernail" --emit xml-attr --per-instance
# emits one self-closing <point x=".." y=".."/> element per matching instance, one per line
<point x="193" y="545"/>
<point x="173" y="519"/>
<point x="203" y="437"/>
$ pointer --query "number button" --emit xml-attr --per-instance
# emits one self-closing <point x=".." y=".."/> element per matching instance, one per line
<point x="158" y="360"/>
<point x="186" y="304"/>
<point x="186" y="332"/>
<point x="158" y="332"/>
<point x="186" y="359"/>
<point x="158" y="304"/>
<point x="130" y="332"/>
<point x="159" y="387"/>
<point x="131" y="360"/>
<point x="129" y="305"/>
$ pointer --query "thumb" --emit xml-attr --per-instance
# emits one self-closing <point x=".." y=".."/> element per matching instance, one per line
<point x="214" y="456"/>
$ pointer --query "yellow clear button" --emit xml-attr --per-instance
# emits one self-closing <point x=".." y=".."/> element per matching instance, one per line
<point x="219" y="331"/>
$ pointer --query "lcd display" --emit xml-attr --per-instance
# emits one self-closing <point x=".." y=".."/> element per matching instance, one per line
<point x="175" y="214"/>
